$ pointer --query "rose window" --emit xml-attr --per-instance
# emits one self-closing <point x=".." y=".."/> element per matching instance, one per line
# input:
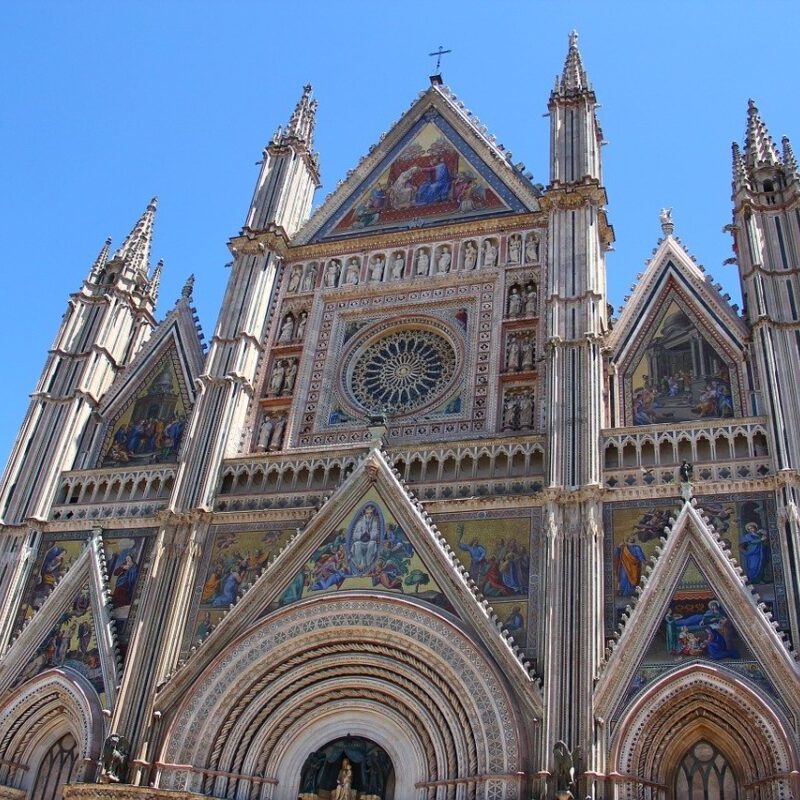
<point x="402" y="371"/>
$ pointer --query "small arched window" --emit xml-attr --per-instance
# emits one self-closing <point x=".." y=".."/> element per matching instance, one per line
<point x="55" y="769"/>
<point x="705" y="774"/>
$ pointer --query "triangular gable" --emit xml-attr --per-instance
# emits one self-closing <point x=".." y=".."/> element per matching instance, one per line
<point x="435" y="165"/>
<point x="422" y="560"/>
<point x="73" y="629"/>
<point x="678" y="346"/>
<point x="695" y="577"/>
<point x="671" y="264"/>
<point x="146" y="409"/>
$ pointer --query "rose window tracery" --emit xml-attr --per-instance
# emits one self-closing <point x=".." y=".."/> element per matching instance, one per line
<point x="402" y="371"/>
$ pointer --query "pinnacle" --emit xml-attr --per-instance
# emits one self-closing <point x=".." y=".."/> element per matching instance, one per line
<point x="739" y="170"/>
<point x="573" y="78"/>
<point x="155" y="281"/>
<point x="135" y="250"/>
<point x="759" y="149"/>
<point x="789" y="161"/>
<point x="100" y="261"/>
<point x="301" y="123"/>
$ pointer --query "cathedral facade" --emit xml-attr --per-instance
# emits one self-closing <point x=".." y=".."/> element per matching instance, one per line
<point x="423" y="521"/>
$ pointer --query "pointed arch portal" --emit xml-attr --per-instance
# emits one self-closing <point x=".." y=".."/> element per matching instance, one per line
<point x="702" y="734"/>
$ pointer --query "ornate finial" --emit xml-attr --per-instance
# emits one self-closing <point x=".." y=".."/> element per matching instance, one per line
<point x="438" y="53"/>
<point x="789" y="161"/>
<point x="188" y="287"/>
<point x="135" y="250"/>
<point x="301" y="124"/>
<point x="667" y="225"/>
<point x="573" y="78"/>
<point x="759" y="148"/>
<point x="155" y="281"/>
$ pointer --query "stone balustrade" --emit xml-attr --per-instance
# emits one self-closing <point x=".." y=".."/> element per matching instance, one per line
<point x="718" y="451"/>
<point x="98" y="494"/>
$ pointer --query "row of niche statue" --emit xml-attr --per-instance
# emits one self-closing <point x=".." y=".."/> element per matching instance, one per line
<point x="518" y="410"/>
<point x="380" y="268"/>
<point x="520" y="353"/>
<point x="522" y="305"/>
<point x="270" y="433"/>
<point x="292" y="330"/>
<point x="282" y="380"/>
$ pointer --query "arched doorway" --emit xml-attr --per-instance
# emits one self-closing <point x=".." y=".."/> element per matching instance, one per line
<point x="379" y="667"/>
<point x="702" y="734"/>
<point x="705" y="773"/>
<point x="349" y="765"/>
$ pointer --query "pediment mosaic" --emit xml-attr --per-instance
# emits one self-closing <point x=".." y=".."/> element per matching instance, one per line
<point x="678" y="374"/>
<point x="149" y="428"/>
<point x="430" y="176"/>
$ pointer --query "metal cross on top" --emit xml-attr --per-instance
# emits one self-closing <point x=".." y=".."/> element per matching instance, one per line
<point x="439" y="53"/>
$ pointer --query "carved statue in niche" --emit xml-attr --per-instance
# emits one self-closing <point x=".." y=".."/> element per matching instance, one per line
<point x="264" y="434"/>
<point x="514" y="302"/>
<point x="526" y="410"/>
<point x="114" y="763"/>
<point x="527" y="352"/>
<point x="312" y="772"/>
<point x="531" y="248"/>
<point x="331" y="274"/>
<point x="276" y="379"/>
<point x="344" y="782"/>
<point x="518" y="411"/>
<point x="489" y="253"/>
<point x="512" y="354"/>
<point x="301" y="325"/>
<point x="398" y="265"/>
<point x="423" y="262"/>
<point x="291" y="376"/>
<point x="376" y="268"/>
<point x="350" y="767"/>
<point x="514" y="249"/>
<point x="351" y="273"/>
<point x="287" y="330"/>
<point x="531" y="300"/>
<point x="295" y="278"/>
<point x="310" y="278"/>
<point x="470" y="255"/>
<point x="443" y="262"/>
<point x="277" y="435"/>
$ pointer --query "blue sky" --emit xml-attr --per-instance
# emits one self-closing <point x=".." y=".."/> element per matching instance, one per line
<point x="106" y="104"/>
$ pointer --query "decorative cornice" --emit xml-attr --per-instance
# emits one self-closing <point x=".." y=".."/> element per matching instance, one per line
<point x="454" y="230"/>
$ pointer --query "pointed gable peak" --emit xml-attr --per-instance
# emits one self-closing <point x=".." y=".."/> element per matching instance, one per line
<point x="135" y="250"/>
<point x="573" y="78"/>
<point x="759" y="149"/>
<point x="385" y="190"/>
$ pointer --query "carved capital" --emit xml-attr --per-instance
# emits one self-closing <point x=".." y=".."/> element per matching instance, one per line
<point x="255" y="243"/>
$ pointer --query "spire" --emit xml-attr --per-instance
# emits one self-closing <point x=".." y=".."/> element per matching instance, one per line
<point x="573" y="79"/>
<point x="100" y="261"/>
<point x="188" y="288"/>
<point x="759" y="149"/>
<point x="155" y="281"/>
<point x="739" y="169"/>
<point x="789" y="161"/>
<point x="301" y="124"/>
<point x="135" y="250"/>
